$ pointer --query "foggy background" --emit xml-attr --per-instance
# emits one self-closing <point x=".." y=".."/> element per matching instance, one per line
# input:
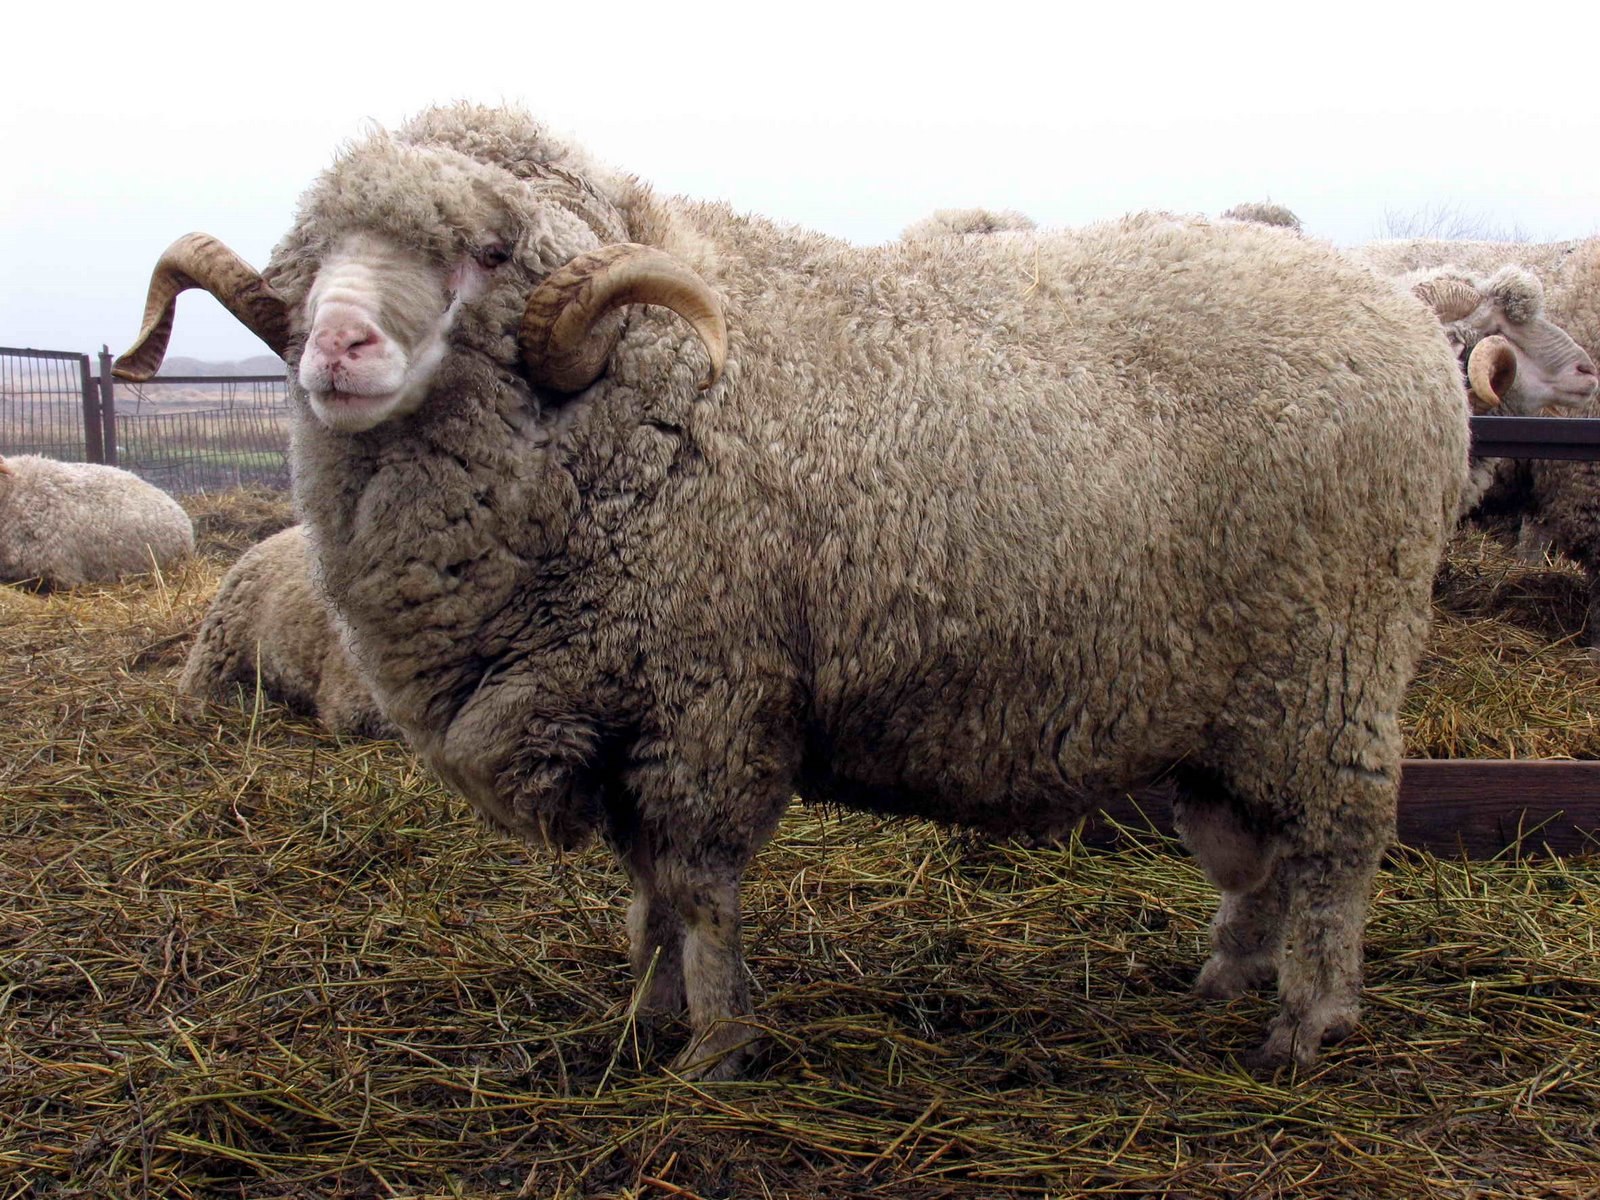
<point x="121" y="132"/>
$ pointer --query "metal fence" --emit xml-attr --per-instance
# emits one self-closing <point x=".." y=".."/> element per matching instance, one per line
<point x="44" y="398"/>
<point x="184" y="433"/>
<point x="189" y="433"/>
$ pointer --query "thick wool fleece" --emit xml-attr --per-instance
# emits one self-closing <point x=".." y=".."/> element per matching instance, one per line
<point x="1568" y="271"/>
<point x="1558" y="502"/>
<point x="958" y="222"/>
<point x="270" y="623"/>
<point x="67" y="524"/>
<point x="1264" y="212"/>
<point x="983" y="529"/>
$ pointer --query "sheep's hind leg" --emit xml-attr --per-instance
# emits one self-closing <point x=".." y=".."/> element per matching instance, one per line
<point x="1248" y="929"/>
<point x="655" y="938"/>
<point x="1330" y="858"/>
<point x="1320" y="980"/>
<point x="716" y="983"/>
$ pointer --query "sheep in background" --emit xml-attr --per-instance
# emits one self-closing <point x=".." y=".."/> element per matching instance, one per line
<point x="65" y="524"/>
<point x="268" y="623"/>
<point x="957" y="222"/>
<point x="1551" y="503"/>
<point x="1517" y="360"/>
<point x="1568" y="271"/>
<point x="1264" y="212"/>
<point x="982" y="529"/>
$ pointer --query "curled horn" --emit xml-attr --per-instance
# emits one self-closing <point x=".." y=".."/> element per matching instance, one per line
<point x="565" y="342"/>
<point x="1491" y="369"/>
<point x="199" y="260"/>
<point x="1450" y="299"/>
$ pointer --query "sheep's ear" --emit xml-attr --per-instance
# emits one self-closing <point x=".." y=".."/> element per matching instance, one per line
<point x="565" y="339"/>
<point x="4" y="470"/>
<point x="199" y="260"/>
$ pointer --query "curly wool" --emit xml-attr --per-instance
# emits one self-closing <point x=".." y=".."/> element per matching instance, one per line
<point x="67" y="524"/>
<point x="1264" y="213"/>
<point x="269" y="624"/>
<point x="983" y="529"/>
<point x="958" y="222"/>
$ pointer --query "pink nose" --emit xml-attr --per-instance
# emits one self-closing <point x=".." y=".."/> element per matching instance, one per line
<point x="345" y="341"/>
<point x="1585" y="368"/>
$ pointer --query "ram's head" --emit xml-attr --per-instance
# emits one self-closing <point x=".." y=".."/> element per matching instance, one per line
<point x="1517" y="361"/>
<point x="398" y="248"/>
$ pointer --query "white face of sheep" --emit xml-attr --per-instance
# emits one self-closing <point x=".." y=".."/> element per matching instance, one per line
<point x="378" y="317"/>
<point x="378" y="325"/>
<point x="1547" y="371"/>
<point x="1517" y="361"/>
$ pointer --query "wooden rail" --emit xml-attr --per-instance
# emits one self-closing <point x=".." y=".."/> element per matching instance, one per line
<point x="1476" y="807"/>
<point x="1536" y="437"/>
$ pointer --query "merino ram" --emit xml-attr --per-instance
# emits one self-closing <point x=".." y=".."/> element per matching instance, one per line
<point x="269" y="625"/>
<point x="984" y="529"/>
<point x="1556" y="503"/>
<point x="65" y="524"/>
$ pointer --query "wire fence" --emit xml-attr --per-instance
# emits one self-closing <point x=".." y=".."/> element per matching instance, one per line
<point x="204" y="434"/>
<point x="183" y="433"/>
<point x="42" y="399"/>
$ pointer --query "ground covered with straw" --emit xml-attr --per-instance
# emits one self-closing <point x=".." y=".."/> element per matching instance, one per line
<point x="239" y="958"/>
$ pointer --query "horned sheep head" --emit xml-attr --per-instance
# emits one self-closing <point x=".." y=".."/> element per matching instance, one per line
<point x="391" y="249"/>
<point x="1517" y="360"/>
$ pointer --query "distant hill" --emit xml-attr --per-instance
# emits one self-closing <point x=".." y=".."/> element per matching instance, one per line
<point x="260" y="364"/>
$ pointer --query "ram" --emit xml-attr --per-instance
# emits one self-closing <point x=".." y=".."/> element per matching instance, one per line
<point x="269" y="626"/>
<point x="1553" y="503"/>
<point x="65" y="524"/>
<point x="983" y="529"/>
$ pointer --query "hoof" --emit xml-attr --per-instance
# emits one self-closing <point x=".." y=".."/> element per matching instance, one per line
<point x="720" y="1055"/>
<point x="664" y="998"/>
<point x="1298" y="1042"/>
<point x="1224" y="978"/>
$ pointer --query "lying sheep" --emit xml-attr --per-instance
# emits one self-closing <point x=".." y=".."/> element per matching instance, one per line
<point x="65" y="524"/>
<point x="269" y="624"/>
<point x="982" y="529"/>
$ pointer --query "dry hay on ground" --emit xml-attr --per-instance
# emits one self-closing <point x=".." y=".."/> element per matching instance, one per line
<point x="241" y="958"/>
<point x="1507" y="674"/>
<point x="228" y="523"/>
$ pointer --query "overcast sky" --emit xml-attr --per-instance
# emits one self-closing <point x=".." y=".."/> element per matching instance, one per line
<point x="120" y="134"/>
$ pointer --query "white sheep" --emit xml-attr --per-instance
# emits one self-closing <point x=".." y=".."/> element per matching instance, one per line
<point x="958" y="222"/>
<point x="270" y="625"/>
<point x="1265" y="212"/>
<point x="65" y="524"/>
<point x="1553" y="503"/>
<point x="984" y="529"/>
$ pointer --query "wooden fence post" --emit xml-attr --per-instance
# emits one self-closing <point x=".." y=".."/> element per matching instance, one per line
<point x="94" y="447"/>
<point x="108" y="408"/>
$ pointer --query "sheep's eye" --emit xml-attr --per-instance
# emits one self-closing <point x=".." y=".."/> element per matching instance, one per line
<point x="491" y="256"/>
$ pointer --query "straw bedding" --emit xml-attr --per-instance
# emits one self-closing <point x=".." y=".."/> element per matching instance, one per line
<point x="240" y="958"/>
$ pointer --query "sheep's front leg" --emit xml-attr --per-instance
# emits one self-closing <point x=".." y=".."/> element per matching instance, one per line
<point x="716" y="984"/>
